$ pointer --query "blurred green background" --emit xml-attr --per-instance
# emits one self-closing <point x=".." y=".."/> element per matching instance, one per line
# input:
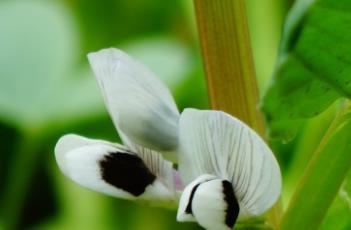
<point x="47" y="89"/>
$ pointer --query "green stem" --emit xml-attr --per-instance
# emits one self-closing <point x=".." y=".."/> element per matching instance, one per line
<point x="229" y="68"/>
<point x="21" y="169"/>
<point x="308" y="142"/>
<point x="323" y="177"/>
<point x="228" y="59"/>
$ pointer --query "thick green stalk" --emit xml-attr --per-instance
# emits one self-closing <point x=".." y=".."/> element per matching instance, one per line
<point x="229" y="68"/>
<point x="227" y="56"/>
<point x="323" y="177"/>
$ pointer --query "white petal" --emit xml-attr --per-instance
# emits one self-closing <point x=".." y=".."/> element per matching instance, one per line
<point x="213" y="142"/>
<point x="184" y="213"/>
<point x="211" y="202"/>
<point x="140" y="105"/>
<point x="114" y="170"/>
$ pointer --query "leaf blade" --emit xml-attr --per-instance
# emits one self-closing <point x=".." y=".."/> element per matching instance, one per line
<point x="322" y="179"/>
<point x="313" y="68"/>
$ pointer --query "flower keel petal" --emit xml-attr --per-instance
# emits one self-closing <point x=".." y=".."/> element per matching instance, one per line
<point x="211" y="202"/>
<point x="185" y="213"/>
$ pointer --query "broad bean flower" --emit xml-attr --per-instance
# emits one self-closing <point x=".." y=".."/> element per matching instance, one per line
<point x="225" y="170"/>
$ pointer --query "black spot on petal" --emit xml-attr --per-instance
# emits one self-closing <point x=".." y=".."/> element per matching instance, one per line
<point x="189" y="208"/>
<point x="127" y="172"/>
<point x="232" y="210"/>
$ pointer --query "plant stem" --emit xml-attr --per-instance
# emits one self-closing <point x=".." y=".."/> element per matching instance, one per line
<point x="309" y="141"/>
<point x="228" y="59"/>
<point x="229" y="68"/>
<point x="322" y="179"/>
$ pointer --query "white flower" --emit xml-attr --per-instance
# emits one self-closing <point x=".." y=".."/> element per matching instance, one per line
<point x="229" y="169"/>
<point x="146" y="117"/>
<point x="226" y="169"/>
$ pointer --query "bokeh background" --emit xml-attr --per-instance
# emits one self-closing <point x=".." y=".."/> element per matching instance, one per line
<point x="47" y="89"/>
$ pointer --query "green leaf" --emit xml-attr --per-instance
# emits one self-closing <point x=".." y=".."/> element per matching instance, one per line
<point x="322" y="178"/>
<point x="339" y="214"/>
<point x="314" y="65"/>
<point x="38" y="85"/>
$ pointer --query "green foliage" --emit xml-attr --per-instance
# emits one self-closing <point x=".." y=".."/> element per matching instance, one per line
<point x="47" y="89"/>
<point x="322" y="179"/>
<point x="313" y="68"/>
<point x="252" y="224"/>
<point x="339" y="214"/>
<point x="37" y="87"/>
<point x="312" y="71"/>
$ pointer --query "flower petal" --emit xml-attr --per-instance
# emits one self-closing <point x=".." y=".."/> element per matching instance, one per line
<point x="213" y="142"/>
<point x="184" y="210"/>
<point x="140" y="105"/>
<point x="211" y="202"/>
<point x="114" y="170"/>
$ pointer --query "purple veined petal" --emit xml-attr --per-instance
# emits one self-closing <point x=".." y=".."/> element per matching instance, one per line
<point x="213" y="142"/>
<point x="116" y="171"/>
<point x="141" y="106"/>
